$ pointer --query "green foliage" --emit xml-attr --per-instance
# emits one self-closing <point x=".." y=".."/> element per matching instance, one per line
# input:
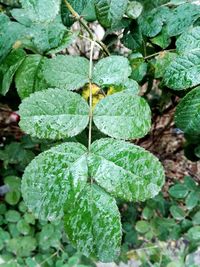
<point x="54" y="114"/>
<point x="187" y="113"/>
<point x="82" y="185"/>
<point x="110" y="12"/>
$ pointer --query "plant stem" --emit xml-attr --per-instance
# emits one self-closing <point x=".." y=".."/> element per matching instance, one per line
<point x="85" y="26"/>
<point x="90" y="101"/>
<point x="156" y="54"/>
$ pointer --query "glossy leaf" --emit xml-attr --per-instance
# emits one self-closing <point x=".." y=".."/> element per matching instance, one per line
<point x="189" y="40"/>
<point x="134" y="9"/>
<point x="29" y="77"/>
<point x="162" y="39"/>
<point x="113" y="70"/>
<point x="92" y="223"/>
<point x="183" y="72"/>
<point x="163" y="60"/>
<point x="54" y="114"/>
<point x="187" y="116"/>
<point x="126" y="171"/>
<point x="67" y="72"/>
<point x="178" y="191"/>
<point x="182" y="18"/>
<point x="40" y="11"/>
<point x="10" y="32"/>
<point x="110" y="12"/>
<point x="9" y="67"/>
<point x="50" y="176"/>
<point x="151" y="22"/>
<point x="194" y="233"/>
<point x="192" y="200"/>
<point x="123" y="116"/>
<point x="43" y="28"/>
<point x="177" y="212"/>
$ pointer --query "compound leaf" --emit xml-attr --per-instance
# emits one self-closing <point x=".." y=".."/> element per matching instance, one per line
<point x="110" y="12"/>
<point x="50" y="176"/>
<point x="29" y="77"/>
<point x="126" y="171"/>
<point x="123" y="116"/>
<point x="187" y="116"/>
<point x="67" y="72"/>
<point x="54" y="114"/>
<point x="92" y="223"/>
<point x="113" y="70"/>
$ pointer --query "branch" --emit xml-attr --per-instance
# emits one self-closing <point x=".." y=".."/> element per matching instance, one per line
<point x="85" y="26"/>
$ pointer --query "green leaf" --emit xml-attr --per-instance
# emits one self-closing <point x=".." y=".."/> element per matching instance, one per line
<point x="12" y="216"/>
<point x="126" y="171"/>
<point x="183" y="72"/>
<point x="44" y="30"/>
<point x="23" y="227"/>
<point x="151" y="22"/>
<point x="178" y="191"/>
<point x="50" y="177"/>
<point x="113" y="70"/>
<point x="132" y="37"/>
<point x="29" y="77"/>
<point x="196" y="218"/>
<point x="142" y="227"/>
<point x="163" y="60"/>
<point x="177" y="212"/>
<point x="39" y="11"/>
<point x="131" y="86"/>
<point x="181" y="18"/>
<point x="190" y="183"/>
<point x="54" y="114"/>
<point x="21" y="246"/>
<point x="43" y="38"/>
<point x="189" y="40"/>
<point x="92" y="223"/>
<point x="67" y="40"/>
<point x="67" y="72"/>
<point x="192" y="200"/>
<point x="13" y="182"/>
<point x="162" y="39"/>
<point x="12" y="197"/>
<point x="139" y="67"/>
<point x="147" y="213"/>
<point x="9" y="33"/>
<point x="123" y="116"/>
<point x="187" y="113"/>
<point x="110" y="12"/>
<point x="194" y="233"/>
<point x="134" y="9"/>
<point x="9" y="67"/>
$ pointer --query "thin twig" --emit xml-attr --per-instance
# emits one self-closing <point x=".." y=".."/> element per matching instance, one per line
<point x="90" y="102"/>
<point x="156" y="54"/>
<point x="85" y="26"/>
